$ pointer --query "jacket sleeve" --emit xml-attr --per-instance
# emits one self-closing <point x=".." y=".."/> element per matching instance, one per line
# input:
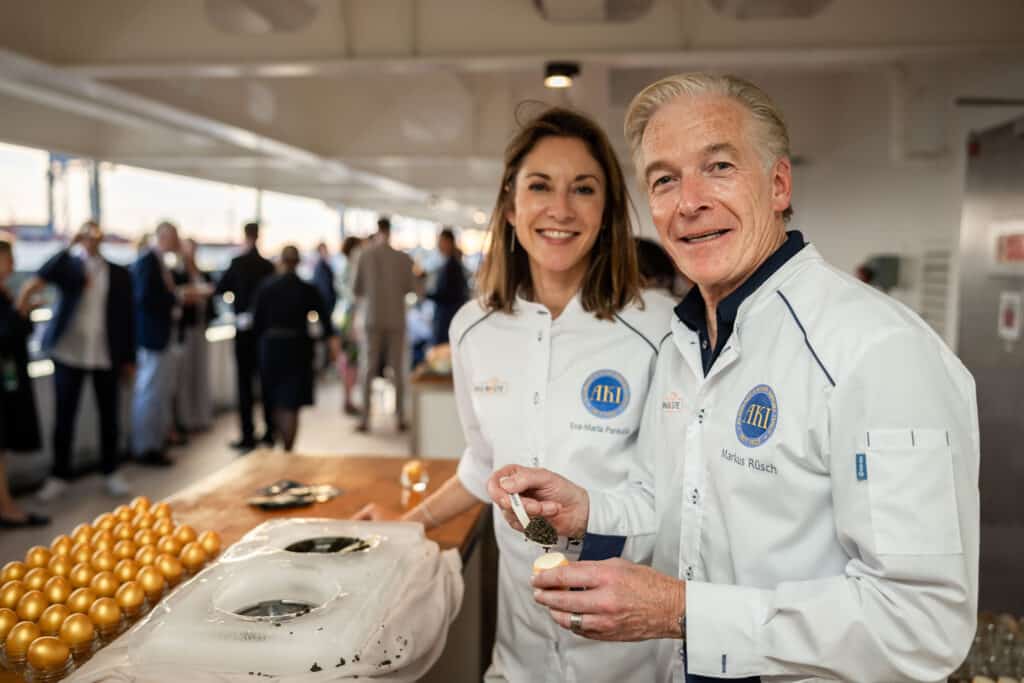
<point x="903" y="460"/>
<point x="149" y="289"/>
<point x="59" y="270"/>
<point x="226" y="282"/>
<point x="477" y="461"/>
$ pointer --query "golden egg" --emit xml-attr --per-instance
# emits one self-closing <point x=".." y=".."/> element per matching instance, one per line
<point x="103" y="540"/>
<point x="61" y="545"/>
<point x="169" y="545"/>
<point x="123" y="513"/>
<point x="161" y="510"/>
<point x="48" y="654"/>
<point x="143" y="521"/>
<point x="152" y="581"/>
<point x="81" y="574"/>
<point x="36" y="578"/>
<point x="130" y="598"/>
<point x="51" y="619"/>
<point x="146" y="537"/>
<point x="105" y="584"/>
<point x="140" y="504"/>
<point x="103" y="560"/>
<point x="82" y="533"/>
<point x="210" y="540"/>
<point x="170" y="566"/>
<point x="126" y="570"/>
<point x="146" y="555"/>
<point x="77" y="630"/>
<point x="193" y="557"/>
<point x="185" y="534"/>
<point x="57" y="590"/>
<point x="37" y="556"/>
<point x="104" y="521"/>
<point x="13" y="571"/>
<point x="125" y="548"/>
<point x="60" y="565"/>
<point x="20" y="637"/>
<point x="163" y="526"/>
<point x="105" y="613"/>
<point x="123" y="531"/>
<point x="81" y="599"/>
<point x="31" y="605"/>
<point x="10" y="593"/>
<point x="7" y="621"/>
<point x="82" y="552"/>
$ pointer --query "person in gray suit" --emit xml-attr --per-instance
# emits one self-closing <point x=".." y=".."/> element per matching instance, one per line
<point x="383" y="277"/>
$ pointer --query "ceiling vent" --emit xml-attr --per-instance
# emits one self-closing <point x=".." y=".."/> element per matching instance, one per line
<point x="591" y="11"/>
<point x="769" y="9"/>
<point x="259" y="17"/>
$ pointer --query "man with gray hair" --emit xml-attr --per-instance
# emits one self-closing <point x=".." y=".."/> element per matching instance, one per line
<point x="813" y="444"/>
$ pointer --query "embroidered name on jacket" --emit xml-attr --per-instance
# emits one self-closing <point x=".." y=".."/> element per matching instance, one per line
<point x="757" y="416"/>
<point x="490" y="386"/>
<point x="605" y="393"/>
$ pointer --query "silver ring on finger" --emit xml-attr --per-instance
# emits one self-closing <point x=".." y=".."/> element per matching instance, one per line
<point x="576" y="622"/>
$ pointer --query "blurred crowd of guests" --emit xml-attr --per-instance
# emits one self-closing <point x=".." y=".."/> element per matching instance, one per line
<point x="144" y="327"/>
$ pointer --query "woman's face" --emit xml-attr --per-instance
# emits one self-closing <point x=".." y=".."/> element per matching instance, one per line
<point x="558" y="203"/>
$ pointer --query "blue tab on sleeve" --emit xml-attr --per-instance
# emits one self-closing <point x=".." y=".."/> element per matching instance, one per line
<point x="602" y="547"/>
<point x="862" y="467"/>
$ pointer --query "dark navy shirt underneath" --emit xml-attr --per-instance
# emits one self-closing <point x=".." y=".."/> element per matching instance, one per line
<point x="691" y="310"/>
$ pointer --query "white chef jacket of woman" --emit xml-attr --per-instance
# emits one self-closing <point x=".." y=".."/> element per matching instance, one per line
<point x="568" y="395"/>
<point x="818" y="488"/>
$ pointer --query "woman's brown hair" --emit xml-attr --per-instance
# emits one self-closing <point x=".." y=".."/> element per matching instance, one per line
<point x="612" y="280"/>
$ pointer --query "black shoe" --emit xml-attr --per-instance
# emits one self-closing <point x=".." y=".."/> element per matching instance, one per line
<point x="154" y="459"/>
<point x="244" y="445"/>
<point x="267" y="439"/>
<point x="362" y="429"/>
<point x="31" y="519"/>
<point x="403" y="426"/>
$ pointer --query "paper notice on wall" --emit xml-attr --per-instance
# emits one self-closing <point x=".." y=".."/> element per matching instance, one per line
<point x="1009" y="316"/>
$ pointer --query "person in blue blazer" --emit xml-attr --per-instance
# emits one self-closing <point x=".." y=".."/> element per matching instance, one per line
<point x="155" y="300"/>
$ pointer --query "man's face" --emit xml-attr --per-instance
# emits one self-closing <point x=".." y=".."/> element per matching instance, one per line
<point x="716" y="208"/>
<point x="167" y="239"/>
<point x="446" y="246"/>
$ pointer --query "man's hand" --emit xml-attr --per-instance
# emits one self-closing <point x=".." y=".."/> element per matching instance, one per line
<point x="127" y="372"/>
<point x="621" y="601"/>
<point x="564" y="504"/>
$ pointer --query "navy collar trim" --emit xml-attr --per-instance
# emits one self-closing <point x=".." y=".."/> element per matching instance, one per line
<point x="691" y="310"/>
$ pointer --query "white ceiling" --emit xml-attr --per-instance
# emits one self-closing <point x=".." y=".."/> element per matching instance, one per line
<point x="395" y="105"/>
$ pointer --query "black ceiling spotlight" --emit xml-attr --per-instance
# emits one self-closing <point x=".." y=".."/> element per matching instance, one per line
<point x="560" y="74"/>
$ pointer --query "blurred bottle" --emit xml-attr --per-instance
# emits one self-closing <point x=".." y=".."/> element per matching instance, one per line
<point x="414" y="480"/>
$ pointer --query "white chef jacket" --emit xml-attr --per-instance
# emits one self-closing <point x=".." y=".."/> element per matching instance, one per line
<point x="566" y="394"/>
<point x="818" y="489"/>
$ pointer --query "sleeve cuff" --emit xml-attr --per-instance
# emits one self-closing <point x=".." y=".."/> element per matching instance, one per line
<point x="473" y="477"/>
<point x="723" y="625"/>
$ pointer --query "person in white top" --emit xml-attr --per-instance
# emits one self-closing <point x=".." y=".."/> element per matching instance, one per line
<point x="91" y="333"/>
<point x="814" y="442"/>
<point x="551" y="366"/>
